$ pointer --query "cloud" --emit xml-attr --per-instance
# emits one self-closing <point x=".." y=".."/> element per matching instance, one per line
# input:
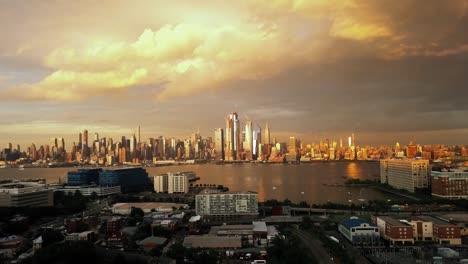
<point x="270" y="37"/>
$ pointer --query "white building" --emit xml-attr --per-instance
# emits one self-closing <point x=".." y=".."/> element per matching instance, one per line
<point x="359" y="231"/>
<point x="88" y="190"/>
<point x="407" y="174"/>
<point x="25" y="194"/>
<point x="222" y="207"/>
<point x="172" y="183"/>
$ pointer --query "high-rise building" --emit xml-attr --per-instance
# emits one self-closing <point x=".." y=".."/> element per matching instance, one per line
<point x="219" y="144"/>
<point x="248" y="142"/>
<point x="85" y="137"/>
<point x="171" y="183"/>
<point x="139" y="135"/>
<point x="256" y="141"/>
<point x="233" y="143"/>
<point x="96" y="136"/>
<point x="267" y="134"/>
<point x="292" y="147"/>
<point x="408" y="174"/>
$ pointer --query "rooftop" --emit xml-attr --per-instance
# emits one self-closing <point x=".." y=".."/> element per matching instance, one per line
<point x="392" y="221"/>
<point x="212" y="242"/>
<point x="349" y="223"/>
<point x="428" y="218"/>
<point x="147" y="206"/>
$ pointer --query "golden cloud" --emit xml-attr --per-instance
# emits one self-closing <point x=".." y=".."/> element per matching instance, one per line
<point x="189" y="58"/>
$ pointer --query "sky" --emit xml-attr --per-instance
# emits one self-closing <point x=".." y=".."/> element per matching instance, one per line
<point x="386" y="70"/>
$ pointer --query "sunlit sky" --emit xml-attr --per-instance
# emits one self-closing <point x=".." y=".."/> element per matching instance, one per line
<point x="386" y="70"/>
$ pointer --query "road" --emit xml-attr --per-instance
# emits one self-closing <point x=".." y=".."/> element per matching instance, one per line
<point x="314" y="245"/>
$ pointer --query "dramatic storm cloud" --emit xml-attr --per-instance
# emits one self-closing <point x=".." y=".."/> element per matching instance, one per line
<point x="315" y="69"/>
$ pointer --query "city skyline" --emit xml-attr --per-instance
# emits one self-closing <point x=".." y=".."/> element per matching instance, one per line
<point x="313" y="69"/>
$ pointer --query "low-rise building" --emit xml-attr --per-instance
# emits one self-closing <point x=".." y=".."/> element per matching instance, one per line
<point x="422" y="229"/>
<point x="451" y="184"/>
<point x="114" y="227"/>
<point x="224" y="242"/>
<point x="25" y="194"/>
<point x="395" y="231"/>
<point x="359" y="231"/>
<point x="88" y="190"/>
<point x="151" y="242"/>
<point x="37" y="244"/>
<point x="126" y="208"/>
<point x="443" y="231"/>
<point x="214" y="206"/>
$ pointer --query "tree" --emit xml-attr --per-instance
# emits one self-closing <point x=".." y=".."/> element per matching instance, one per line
<point x="94" y="196"/>
<point x="136" y="212"/>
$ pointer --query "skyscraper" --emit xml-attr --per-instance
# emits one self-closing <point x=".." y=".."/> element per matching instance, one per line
<point x="292" y="150"/>
<point x="267" y="135"/>
<point x="247" y="144"/>
<point x="85" y="137"/>
<point x="219" y="144"/>
<point x="139" y="135"/>
<point x="257" y="140"/>
<point x="233" y="144"/>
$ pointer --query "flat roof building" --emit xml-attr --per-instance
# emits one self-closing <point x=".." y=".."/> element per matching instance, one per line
<point x="126" y="208"/>
<point x="212" y="242"/>
<point x="407" y="174"/>
<point x="227" y="207"/>
<point x="359" y="231"/>
<point x="395" y="231"/>
<point x="443" y="231"/>
<point x="25" y="194"/>
<point x="450" y="184"/>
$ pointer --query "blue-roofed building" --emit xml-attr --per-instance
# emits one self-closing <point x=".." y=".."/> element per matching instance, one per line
<point x="359" y="231"/>
<point x="133" y="179"/>
<point x="83" y="177"/>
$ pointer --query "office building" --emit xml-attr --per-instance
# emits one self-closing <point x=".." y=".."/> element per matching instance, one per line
<point x="407" y="174"/>
<point x="83" y="176"/>
<point x="451" y="184"/>
<point x="25" y="194"/>
<point x="248" y="141"/>
<point x="131" y="179"/>
<point x="219" y="144"/>
<point x="396" y="232"/>
<point x="233" y="140"/>
<point x="359" y="231"/>
<point x="267" y="135"/>
<point x="171" y="183"/>
<point x="226" y="207"/>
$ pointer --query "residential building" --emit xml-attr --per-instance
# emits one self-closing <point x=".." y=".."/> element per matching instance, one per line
<point x="422" y="229"/>
<point x="114" y="227"/>
<point x="25" y="194"/>
<point x="215" y="206"/>
<point x="172" y="183"/>
<point x="451" y="184"/>
<point x="397" y="232"/>
<point x="407" y="174"/>
<point x="443" y="231"/>
<point x="359" y="231"/>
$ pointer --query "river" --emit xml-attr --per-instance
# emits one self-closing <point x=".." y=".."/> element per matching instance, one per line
<point x="303" y="182"/>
